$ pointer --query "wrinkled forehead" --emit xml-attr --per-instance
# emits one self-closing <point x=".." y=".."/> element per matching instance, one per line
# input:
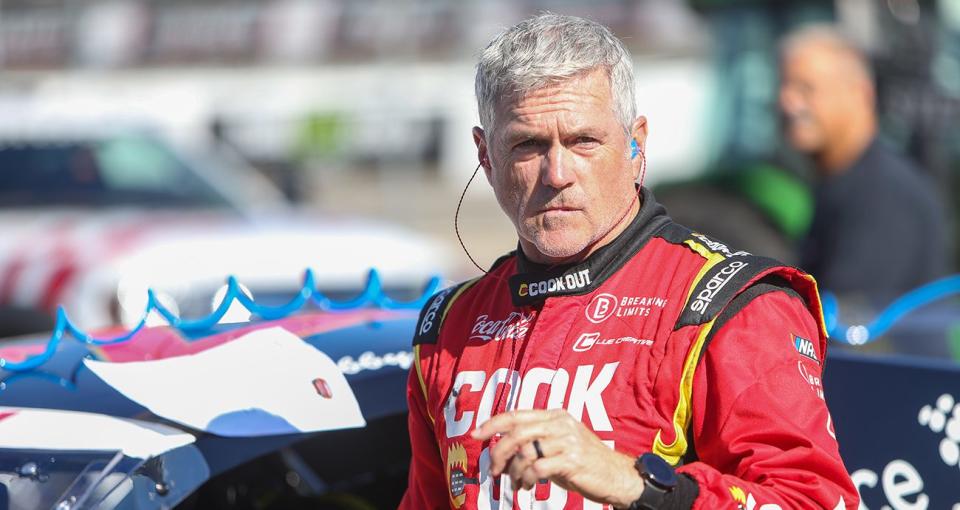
<point x="584" y="93"/>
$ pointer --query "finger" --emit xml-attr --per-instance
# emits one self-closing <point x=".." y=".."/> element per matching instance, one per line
<point x="549" y="446"/>
<point x="548" y="468"/>
<point x="504" y="422"/>
<point x="527" y="479"/>
<point x="501" y="458"/>
<point x="569" y="473"/>
<point x="516" y="439"/>
<point x="529" y="474"/>
<point x="518" y="465"/>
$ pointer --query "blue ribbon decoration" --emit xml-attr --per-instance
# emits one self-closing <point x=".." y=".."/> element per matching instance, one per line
<point x="372" y="295"/>
<point x="898" y="309"/>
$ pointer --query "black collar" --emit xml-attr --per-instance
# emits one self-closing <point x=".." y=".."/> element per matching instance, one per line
<point x="535" y="282"/>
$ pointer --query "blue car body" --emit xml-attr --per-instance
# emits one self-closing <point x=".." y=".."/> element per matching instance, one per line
<point x="373" y="350"/>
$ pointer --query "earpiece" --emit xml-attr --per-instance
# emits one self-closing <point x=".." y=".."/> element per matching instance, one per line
<point x="634" y="149"/>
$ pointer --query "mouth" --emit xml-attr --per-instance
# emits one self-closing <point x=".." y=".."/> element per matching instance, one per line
<point x="558" y="208"/>
<point x="797" y="118"/>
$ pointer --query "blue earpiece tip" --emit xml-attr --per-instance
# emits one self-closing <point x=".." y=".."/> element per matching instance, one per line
<point x="634" y="148"/>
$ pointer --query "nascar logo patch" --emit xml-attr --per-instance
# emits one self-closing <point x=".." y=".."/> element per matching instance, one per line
<point x="805" y="347"/>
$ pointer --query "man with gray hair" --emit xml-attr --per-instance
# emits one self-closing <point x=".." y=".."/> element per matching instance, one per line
<point x="576" y="373"/>
<point x="867" y="195"/>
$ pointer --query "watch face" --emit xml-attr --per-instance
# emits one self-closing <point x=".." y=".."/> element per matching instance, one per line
<point x="659" y="470"/>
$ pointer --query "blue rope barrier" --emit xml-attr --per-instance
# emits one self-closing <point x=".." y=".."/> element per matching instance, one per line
<point x="898" y="309"/>
<point x="372" y="295"/>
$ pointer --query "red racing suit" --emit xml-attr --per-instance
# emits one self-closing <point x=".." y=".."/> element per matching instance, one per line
<point x="620" y="341"/>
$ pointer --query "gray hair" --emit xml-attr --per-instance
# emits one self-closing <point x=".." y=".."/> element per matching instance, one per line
<point x="547" y="49"/>
<point x="832" y="38"/>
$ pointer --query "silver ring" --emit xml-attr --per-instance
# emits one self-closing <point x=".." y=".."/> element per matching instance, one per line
<point x="536" y="446"/>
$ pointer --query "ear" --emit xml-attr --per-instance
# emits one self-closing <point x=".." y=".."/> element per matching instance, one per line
<point x="638" y="132"/>
<point x="483" y="155"/>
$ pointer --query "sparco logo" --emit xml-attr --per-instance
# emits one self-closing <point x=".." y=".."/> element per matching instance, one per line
<point x="574" y="281"/>
<point x="431" y="314"/>
<point x="719" y="280"/>
<point x="514" y="327"/>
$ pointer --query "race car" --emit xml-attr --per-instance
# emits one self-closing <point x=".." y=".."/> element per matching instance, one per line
<point x="73" y="436"/>
<point x="70" y="440"/>
<point x="94" y="214"/>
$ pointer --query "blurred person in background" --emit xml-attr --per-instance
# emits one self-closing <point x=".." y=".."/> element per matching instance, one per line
<point x="878" y="228"/>
<point x="575" y="372"/>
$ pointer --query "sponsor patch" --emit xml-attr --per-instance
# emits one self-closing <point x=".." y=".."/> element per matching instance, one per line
<point x="601" y="307"/>
<point x="739" y="497"/>
<point x="715" y="284"/>
<point x="558" y="284"/>
<point x="604" y="306"/>
<point x="719" y="285"/>
<point x="805" y="347"/>
<point x="514" y="327"/>
<point x="746" y="501"/>
<point x="456" y="474"/>
<point x="428" y="325"/>
<point x="526" y="289"/>
<point x="587" y="341"/>
<point x="814" y="381"/>
<point x="717" y="246"/>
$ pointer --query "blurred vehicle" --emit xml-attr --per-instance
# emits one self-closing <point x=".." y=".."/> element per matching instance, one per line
<point x="873" y="399"/>
<point x="349" y="469"/>
<point x="94" y="214"/>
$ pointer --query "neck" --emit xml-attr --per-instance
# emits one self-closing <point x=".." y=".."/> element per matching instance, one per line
<point x="534" y="255"/>
<point x="839" y="157"/>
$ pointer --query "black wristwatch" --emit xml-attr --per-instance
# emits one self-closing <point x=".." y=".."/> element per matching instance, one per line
<point x="659" y="479"/>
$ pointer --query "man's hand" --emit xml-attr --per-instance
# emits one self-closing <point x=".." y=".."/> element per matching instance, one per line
<point x="573" y="456"/>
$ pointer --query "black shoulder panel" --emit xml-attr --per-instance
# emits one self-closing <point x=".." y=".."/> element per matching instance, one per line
<point x="719" y="285"/>
<point x="674" y="233"/>
<point x="765" y="285"/>
<point x="428" y="325"/>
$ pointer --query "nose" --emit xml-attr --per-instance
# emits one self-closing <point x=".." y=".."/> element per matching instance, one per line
<point x="791" y="101"/>
<point x="556" y="169"/>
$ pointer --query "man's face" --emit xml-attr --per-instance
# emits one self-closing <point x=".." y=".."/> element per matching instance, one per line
<point x="560" y="166"/>
<point x="816" y="96"/>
